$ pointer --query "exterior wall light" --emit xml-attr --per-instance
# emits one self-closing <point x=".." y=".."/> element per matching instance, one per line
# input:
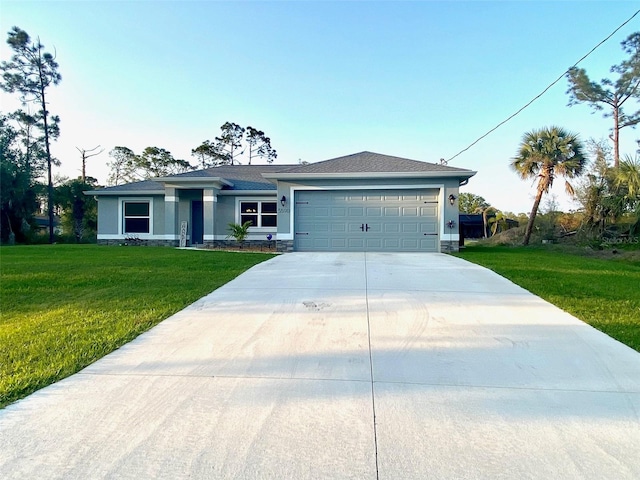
<point x="452" y="199"/>
<point x="451" y="224"/>
<point x="283" y="201"/>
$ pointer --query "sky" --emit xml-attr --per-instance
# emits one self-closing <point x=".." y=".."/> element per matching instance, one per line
<point x="415" y="79"/>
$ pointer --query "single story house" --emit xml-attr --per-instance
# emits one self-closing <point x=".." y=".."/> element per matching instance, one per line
<point x="360" y="202"/>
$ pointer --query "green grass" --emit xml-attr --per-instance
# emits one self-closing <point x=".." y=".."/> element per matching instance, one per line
<point x="604" y="293"/>
<point x="65" y="306"/>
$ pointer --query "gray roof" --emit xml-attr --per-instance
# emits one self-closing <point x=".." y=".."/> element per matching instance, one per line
<point x="145" y="186"/>
<point x="369" y="162"/>
<point x="243" y="177"/>
<point x="252" y="177"/>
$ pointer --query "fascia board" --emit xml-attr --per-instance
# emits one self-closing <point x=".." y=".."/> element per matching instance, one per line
<point x="119" y="193"/>
<point x="367" y="175"/>
<point x="236" y="193"/>
<point x="177" y="181"/>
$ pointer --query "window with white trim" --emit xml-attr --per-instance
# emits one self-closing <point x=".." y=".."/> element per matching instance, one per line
<point x="259" y="213"/>
<point x="136" y="216"/>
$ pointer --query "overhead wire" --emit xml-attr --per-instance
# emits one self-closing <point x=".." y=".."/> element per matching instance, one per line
<point x="544" y="91"/>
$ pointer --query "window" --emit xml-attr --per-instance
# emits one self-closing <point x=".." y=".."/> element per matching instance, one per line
<point x="136" y="217"/>
<point x="259" y="213"/>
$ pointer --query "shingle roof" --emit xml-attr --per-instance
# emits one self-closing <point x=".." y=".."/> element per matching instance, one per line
<point x="143" y="186"/>
<point x="365" y="162"/>
<point x="252" y="177"/>
<point x="243" y="177"/>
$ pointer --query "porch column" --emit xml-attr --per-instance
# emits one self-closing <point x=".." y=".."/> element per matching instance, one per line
<point x="209" y="202"/>
<point x="170" y="214"/>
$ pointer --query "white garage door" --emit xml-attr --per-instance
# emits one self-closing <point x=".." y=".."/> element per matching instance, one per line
<point x="366" y="220"/>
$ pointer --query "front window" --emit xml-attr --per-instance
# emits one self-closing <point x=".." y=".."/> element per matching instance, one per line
<point x="136" y="217"/>
<point x="259" y="213"/>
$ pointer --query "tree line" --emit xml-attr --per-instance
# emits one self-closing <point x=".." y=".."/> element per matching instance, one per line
<point x="26" y="160"/>
<point x="608" y="185"/>
<point x="235" y="145"/>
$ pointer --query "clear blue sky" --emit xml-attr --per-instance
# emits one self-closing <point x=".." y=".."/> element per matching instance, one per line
<point x="420" y="80"/>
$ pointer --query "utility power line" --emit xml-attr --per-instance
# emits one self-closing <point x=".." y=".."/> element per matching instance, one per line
<point x="543" y="92"/>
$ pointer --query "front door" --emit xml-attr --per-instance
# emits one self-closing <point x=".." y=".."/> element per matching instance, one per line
<point x="197" y="222"/>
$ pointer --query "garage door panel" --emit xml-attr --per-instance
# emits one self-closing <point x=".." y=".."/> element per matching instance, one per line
<point x="411" y="198"/>
<point x="429" y="228"/>
<point x="397" y="221"/>
<point x="409" y="211"/>
<point x="355" y="243"/>
<point x="410" y="228"/>
<point x="429" y="211"/>
<point x="429" y="244"/>
<point x="391" y="243"/>
<point x="373" y="211"/>
<point x="375" y="228"/>
<point x="391" y="211"/>
<point x="410" y="243"/>
<point x="338" y="243"/>
<point x="304" y="211"/>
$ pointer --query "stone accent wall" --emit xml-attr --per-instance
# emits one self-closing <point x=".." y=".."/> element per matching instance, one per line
<point x="140" y="243"/>
<point x="261" y="245"/>
<point x="285" y="246"/>
<point x="447" y="246"/>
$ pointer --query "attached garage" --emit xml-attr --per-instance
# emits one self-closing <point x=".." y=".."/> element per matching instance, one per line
<point x="369" y="202"/>
<point x="398" y="220"/>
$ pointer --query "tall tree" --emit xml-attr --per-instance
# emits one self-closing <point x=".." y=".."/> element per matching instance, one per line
<point x="208" y="155"/>
<point x="153" y="162"/>
<point x="18" y="199"/>
<point x="30" y="73"/>
<point x="122" y="167"/>
<point x="259" y="145"/>
<point x="33" y="157"/>
<point x="470" y="202"/>
<point x="86" y="154"/>
<point x="233" y="144"/>
<point x="594" y="192"/>
<point x="79" y="211"/>
<point x="230" y="142"/>
<point x="609" y="94"/>
<point x="545" y="154"/>
<point x="158" y="162"/>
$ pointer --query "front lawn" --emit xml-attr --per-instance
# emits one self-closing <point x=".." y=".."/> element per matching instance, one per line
<point x="65" y="306"/>
<point x="604" y="293"/>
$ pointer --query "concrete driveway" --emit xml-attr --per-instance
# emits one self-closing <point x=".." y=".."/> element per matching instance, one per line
<point x="344" y="365"/>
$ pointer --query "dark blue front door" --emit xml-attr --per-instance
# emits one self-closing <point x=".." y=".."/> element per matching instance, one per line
<point x="197" y="222"/>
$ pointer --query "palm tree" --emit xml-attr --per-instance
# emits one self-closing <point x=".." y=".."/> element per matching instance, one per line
<point x="628" y="176"/>
<point x="498" y="222"/>
<point x="239" y="232"/>
<point x="627" y="181"/>
<point x="485" y="211"/>
<point x="545" y="154"/>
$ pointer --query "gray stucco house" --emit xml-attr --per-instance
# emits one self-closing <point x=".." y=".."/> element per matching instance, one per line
<point x="360" y="202"/>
